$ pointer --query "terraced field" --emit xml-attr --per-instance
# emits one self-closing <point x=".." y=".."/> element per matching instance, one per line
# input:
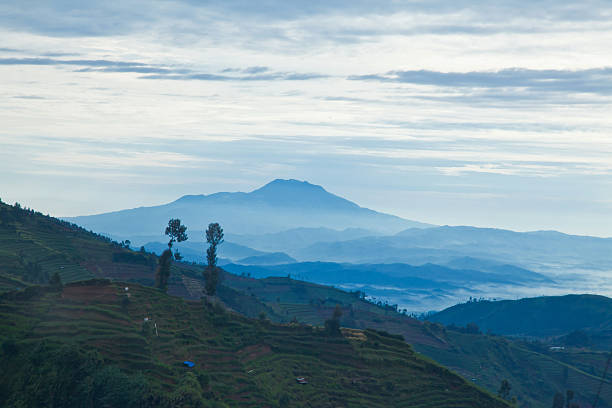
<point x="248" y="362"/>
<point x="32" y="246"/>
<point x="533" y="375"/>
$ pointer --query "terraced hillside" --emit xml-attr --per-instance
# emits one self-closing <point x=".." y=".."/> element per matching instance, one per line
<point x="32" y="244"/>
<point x="146" y="334"/>
<point x="535" y="372"/>
<point x="290" y="300"/>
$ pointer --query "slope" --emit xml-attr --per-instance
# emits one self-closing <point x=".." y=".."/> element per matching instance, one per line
<point x="238" y="361"/>
<point x="534" y="372"/>
<point x="539" y="317"/>
<point x="281" y="300"/>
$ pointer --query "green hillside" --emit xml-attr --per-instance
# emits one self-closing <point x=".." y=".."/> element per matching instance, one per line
<point x="546" y="316"/>
<point x="30" y="238"/>
<point x="34" y="246"/>
<point x="535" y="372"/>
<point x="238" y="361"/>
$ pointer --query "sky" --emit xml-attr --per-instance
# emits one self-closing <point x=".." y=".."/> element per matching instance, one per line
<point x="458" y="112"/>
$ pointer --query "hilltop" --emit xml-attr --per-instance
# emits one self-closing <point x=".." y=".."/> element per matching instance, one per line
<point x="543" y="316"/>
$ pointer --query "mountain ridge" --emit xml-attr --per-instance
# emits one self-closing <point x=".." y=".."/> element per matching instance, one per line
<point x="274" y="207"/>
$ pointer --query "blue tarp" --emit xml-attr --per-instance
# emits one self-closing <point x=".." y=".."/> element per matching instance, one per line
<point x="189" y="364"/>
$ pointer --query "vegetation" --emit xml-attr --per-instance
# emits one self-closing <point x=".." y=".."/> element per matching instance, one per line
<point x="162" y="274"/>
<point x="535" y="373"/>
<point x="34" y="247"/>
<point x="177" y="233"/>
<point x="79" y="346"/>
<point x="214" y="237"/>
<point x="536" y="317"/>
<point x="332" y="326"/>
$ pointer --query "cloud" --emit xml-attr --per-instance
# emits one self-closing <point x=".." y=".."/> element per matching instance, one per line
<point x="134" y="69"/>
<point x="272" y="76"/>
<point x="282" y="19"/>
<point x="79" y="62"/>
<point x="32" y="97"/>
<point x="254" y="73"/>
<point x="592" y="81"/>
<point x="255" y="70"/>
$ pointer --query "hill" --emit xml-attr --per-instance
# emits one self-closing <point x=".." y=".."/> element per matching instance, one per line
<point x="238" y="361"/>
<point x="544" y="250"/>
<point x="534" y="317"/>
<point x="534" y="372"/>
<point x="295" y="239"/>
<point x="403" y="275"/>
<point x="275" y="207"/>
<point x="195" y="251"/>
<point x="273" y="258"/>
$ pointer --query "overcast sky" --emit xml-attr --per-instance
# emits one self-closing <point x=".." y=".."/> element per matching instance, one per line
<point x="458" y="112"/>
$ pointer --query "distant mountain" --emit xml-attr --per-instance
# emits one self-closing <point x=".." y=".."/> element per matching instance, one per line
<point x="274" y="258"/>
<point x="196" y="251"/>
<point x="278" y="206"/>
<point x="404" y="276"/>
<point x="541" y="316"/>
<point x="297" y="238"/>
<point x="444" y="245"/>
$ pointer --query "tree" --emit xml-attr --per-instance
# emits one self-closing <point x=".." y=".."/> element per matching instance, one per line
<point x="332" y="326"/>
<point x="56" y="281"/>
<point x="569" y="396"/>
<point x="504" y="389"/>
<point x="177" y="233"/>
<point x="558" y="401"/>
<point x="214" y="237"/>
<point x="162" y="274"/>
<point x="188" y="393"/>
<point x="577" y="338"/>
<point x="472" y="328"/>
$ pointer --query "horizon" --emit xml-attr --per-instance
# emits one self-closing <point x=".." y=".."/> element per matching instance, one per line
<point x="500" y="112"/>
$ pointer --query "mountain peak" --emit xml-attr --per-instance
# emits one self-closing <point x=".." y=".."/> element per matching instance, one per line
<point x="298" y="193"/>
<point x="289" y="184"/>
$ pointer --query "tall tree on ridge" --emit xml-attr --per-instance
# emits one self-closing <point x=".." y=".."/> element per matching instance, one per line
<point x="177" y="233"/>
<point x="214" y="237"/>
